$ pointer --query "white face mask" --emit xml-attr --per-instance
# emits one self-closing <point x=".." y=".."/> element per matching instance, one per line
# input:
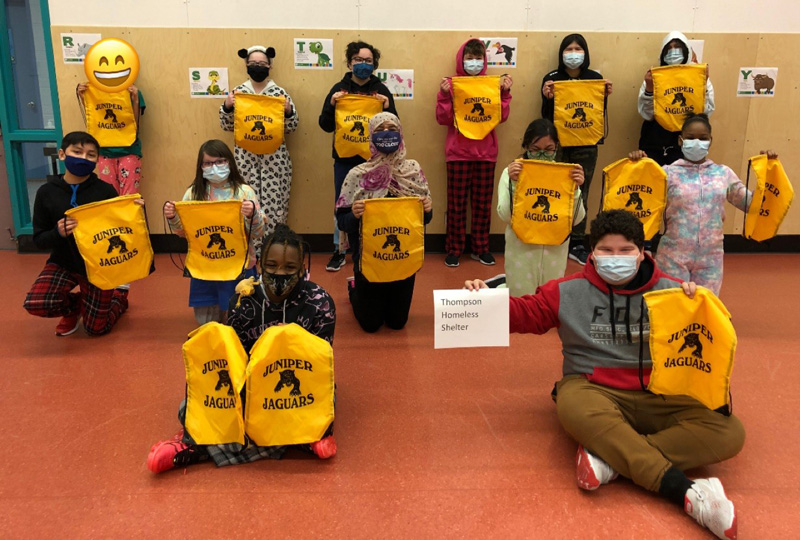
<point x="573" y="60"/>
<point x="616" y="268"/>
<point x="473" y="67"/>
<point x="216" y="174"/>
<point x="673" y="57"/>
<point x="695" y="149"/>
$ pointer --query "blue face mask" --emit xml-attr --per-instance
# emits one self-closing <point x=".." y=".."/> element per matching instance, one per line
<point x="473" y="67"/>
<point x="616" y="268"/>
<point x="362" y="71"/>
<point x="217" y="173"/>
<point x="387" y="142"/>
<point x="695" y="149"/>
<point x="79" y="166"/>
<point x="673" y="57"/>
<point x="573" y="60"/>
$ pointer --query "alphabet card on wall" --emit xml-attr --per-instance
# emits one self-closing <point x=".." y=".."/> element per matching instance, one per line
<point x="208" y="82"/>
<point x="500" y="51"/>
<point x="400" y="82"/>
<point x="463" y="318"/>
<point x="75" y="46"/>
<point x="312" y="53"/>
<point x="757" y="82"/>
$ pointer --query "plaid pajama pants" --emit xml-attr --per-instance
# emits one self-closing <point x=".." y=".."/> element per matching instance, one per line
<point x="52" y="296"/>
<point x="473" y="179"/>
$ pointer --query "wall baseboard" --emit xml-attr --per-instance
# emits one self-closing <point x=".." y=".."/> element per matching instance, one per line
<point x="434" y="243"/>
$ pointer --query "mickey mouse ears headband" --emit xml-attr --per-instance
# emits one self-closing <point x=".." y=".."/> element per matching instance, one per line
<point x="269" y="51"/>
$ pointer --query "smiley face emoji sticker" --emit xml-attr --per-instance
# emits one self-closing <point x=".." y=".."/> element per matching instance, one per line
<point x="111" y="65"/>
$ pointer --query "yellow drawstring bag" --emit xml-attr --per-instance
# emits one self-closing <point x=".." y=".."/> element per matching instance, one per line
<point x="353" y="113"/>
<point x="772" y="197"/>
<point x="692" y="346"/>
<point x="678" y="91"/>
<point x="289" y="387"/>
<point x="639" y="187"/>
<point x="110" y="117"/>
<point x="477" y="108"/>
<point x="392" y="238"/>
<point x="216" y="236"/>
<point x="258" y="122"/>
<point x="215" y="363"/>
<point x="114" y="241"/>
<point x="543" y="202"/>
<point x="579" y="113"/>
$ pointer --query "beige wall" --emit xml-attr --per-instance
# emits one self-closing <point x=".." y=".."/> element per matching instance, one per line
<point x="175" y="125"/>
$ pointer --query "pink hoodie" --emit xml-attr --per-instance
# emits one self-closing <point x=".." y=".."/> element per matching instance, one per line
<point x="457" y="147"/>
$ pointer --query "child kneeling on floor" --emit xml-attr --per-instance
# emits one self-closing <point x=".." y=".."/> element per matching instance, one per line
<point x="284" y="296"/>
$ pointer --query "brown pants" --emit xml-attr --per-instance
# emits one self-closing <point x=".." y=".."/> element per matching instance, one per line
<point x="641" y="435"/>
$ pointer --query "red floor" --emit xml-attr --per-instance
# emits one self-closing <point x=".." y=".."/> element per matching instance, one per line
<point x="451" y="443"/>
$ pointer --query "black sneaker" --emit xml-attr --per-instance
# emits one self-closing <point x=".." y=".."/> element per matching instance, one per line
<point x="484" y="258"/>
<point x="336" y="263"/>
<point x="578" y="254"/>
<point x="451" y="260"/>
<point x="496" y="281"/>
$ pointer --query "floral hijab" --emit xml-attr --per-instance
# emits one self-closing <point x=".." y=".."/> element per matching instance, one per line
<point x="384" y="174"/>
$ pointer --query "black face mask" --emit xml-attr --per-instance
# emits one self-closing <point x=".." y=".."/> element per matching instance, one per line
<point x="280" y="285"/>
<point x="258" y="73"/>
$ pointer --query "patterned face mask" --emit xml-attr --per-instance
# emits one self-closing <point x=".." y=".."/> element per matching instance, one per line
<point x="280" y="285"/>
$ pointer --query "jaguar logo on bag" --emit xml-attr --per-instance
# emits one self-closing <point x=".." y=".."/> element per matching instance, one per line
<point x="772" y="197"/>
<point x="258" y="122"/>
<point x="692" y="346"/>
<point x="110" y="117"/>
<point x="353" y="113"/>
<point x="579" y="112"/>
<point x="639" y="187"/>
<point x="543" y="202"/>
<point x="476" y="105"/>
<point x="678" y="91"/>
<point x="113" y="240"/>
<point x="392" y="239"/>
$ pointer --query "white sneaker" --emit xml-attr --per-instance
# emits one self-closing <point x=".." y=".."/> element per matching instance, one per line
<point x="591" y="471"/>
<point x="706" y="502"/>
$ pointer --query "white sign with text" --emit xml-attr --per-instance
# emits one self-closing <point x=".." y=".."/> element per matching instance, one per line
<point x="465" y="318"/>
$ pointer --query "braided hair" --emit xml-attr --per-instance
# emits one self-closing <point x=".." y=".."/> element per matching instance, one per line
<point x="285" y="236"/>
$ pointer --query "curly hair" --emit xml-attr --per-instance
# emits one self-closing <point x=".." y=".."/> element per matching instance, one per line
<point x="354" y="46"/>
<point x="619" y="222"/>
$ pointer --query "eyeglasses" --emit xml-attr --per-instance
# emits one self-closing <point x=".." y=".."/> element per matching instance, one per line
<point x="221" y="161"/>
<point x="257" y="64"/>
<point x="359" y="60"/>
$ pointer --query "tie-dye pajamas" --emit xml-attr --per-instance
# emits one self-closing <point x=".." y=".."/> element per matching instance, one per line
<point x="691" y="248"/>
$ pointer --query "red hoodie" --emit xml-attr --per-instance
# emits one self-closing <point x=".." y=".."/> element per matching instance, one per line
<point x="457" y="147"/>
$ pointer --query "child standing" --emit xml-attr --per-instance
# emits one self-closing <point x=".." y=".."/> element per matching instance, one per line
<point x="217" y="179"/>
<point x="470" y="163"/>
<point x="697" y="188"/>
<point x="528" y="266"/>
<point x="387" y="174"/>
<point x="284" y="296"/>
<point x="362" y="60"/>
<point x="270" y="175"/>
<point x="51" y="294"/>
<point x="573" y="64"/>
<point x="660" y="145"/>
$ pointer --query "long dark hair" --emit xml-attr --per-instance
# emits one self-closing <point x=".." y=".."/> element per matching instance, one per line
<point x="541" y="127"/>
<point x="566" y="42"/>
<point x="217" y="149"/>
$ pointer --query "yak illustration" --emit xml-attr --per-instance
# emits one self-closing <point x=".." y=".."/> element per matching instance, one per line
<point x="762" y="81"/>
<point x="259" y="125"/>
<point x="392" y="240"/>
<point x="224" y="380"/>
<point x="115" y="242"/>
<point x="579" y="114"/>
<point x="357" y="125"/>
<point x="692" y="340"/>
<point x="679" y="99"/>
<point x="634" y="199"/>
<point x="216" y="239"/>
<point x="505" y="50"/>
<point x="543" y="202"/>
<point x="288" y="378"/>
<point x="110" y="116"/>
<point x="477" y="108"/>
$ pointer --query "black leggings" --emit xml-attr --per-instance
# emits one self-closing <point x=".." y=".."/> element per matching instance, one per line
<point x="377" y="303"/>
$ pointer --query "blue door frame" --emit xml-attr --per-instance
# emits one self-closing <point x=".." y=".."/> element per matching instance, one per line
<point x="13" y="135"/>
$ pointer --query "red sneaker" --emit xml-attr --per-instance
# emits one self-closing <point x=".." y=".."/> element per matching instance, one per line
<point x="166" y="455"/>
<point x="592" y="472"/>
<point x="68" y="324"/>
<point x="325" y="448"/>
